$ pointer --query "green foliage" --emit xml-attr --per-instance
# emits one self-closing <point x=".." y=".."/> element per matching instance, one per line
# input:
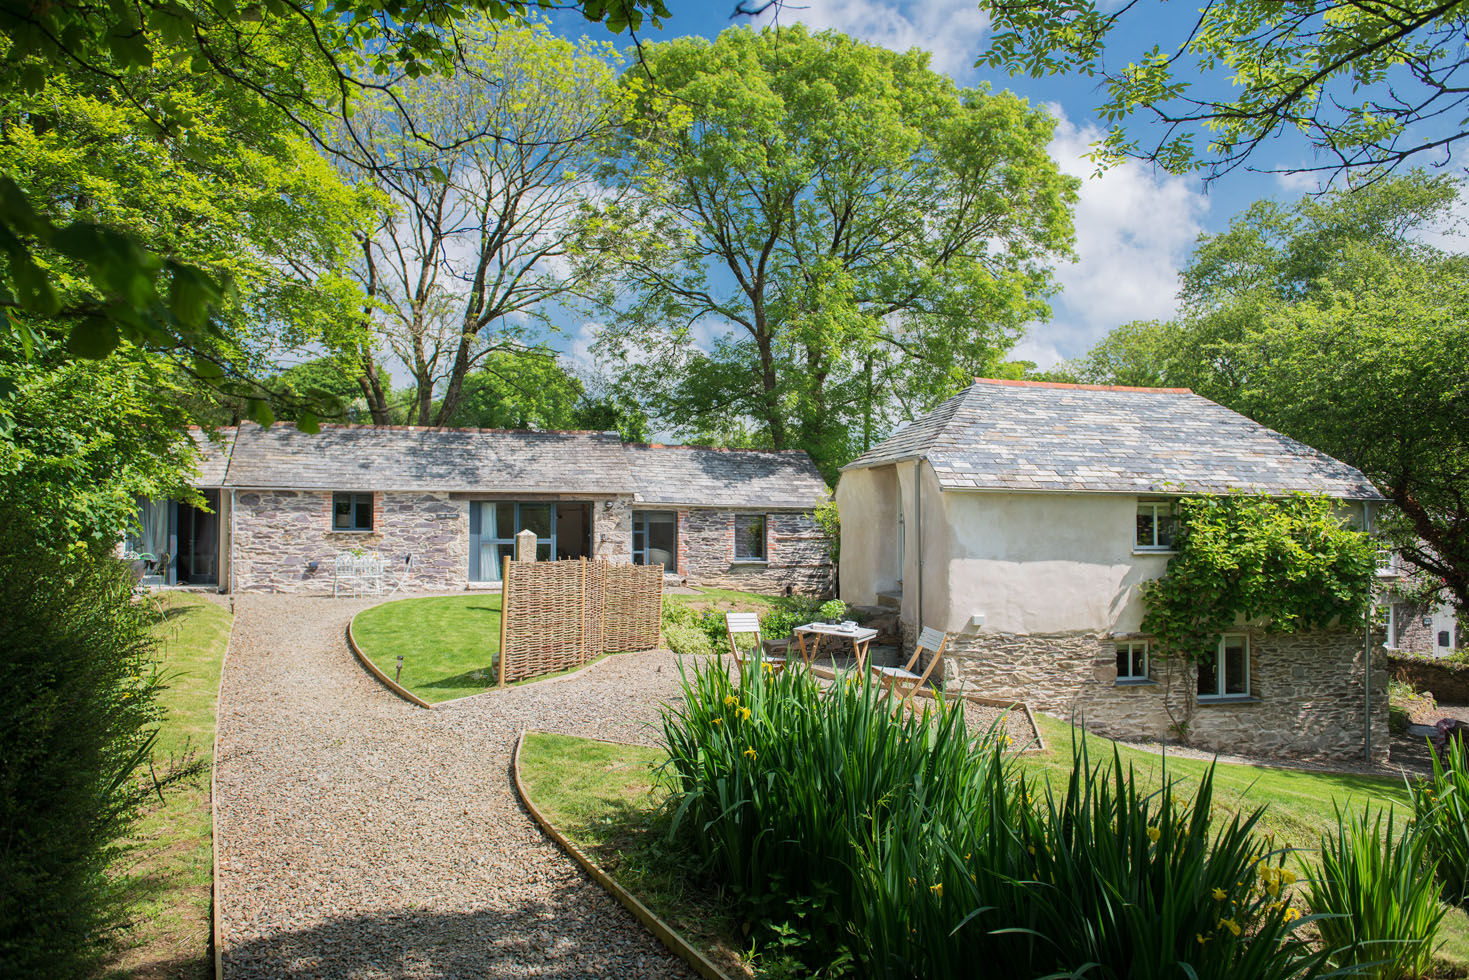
<point x="484" y="175"/>
<point x="1381" y="896"/>
<point x="775" y="779"/>
<point x="1441" y="820"/>
<point x="886" y="232"/>
<point x="299" y="63"/>
<point x="1329" y="320"/>
<point x="832" y="609"/>
<point x="1106" y="878"/>
<point x="686" y="640"/>
<point x="826" y="517"/>
<point x="80" y="689"/>
<point x="893" y="844"/>
<point x="1290" y="561"/>
<point x="1245" y="72"/>
<point x="81" y="440"/>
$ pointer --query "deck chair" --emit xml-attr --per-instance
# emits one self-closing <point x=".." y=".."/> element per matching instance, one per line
<point x="773" y="652"/>
<point x="902" y="681"/>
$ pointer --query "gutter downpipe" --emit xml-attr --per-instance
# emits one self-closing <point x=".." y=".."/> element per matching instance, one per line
<point x="918" y="536"/>
<point x="232" y="544"/>
<point x="1367" y="654"/>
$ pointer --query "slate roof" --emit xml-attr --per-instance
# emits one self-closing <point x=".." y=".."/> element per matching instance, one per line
<point x="212" y="458"/>
<point x="351" y="457"/>
<point x="672" y="475"/>
<point x="365" y="457"/>
<point x="1017" y="435"/>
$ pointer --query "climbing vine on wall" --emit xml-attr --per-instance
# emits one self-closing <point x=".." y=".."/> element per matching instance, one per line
<point x="1291" y="561"/>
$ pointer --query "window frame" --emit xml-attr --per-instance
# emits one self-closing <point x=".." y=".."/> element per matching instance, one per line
<point x="764" y="556"/>
<point x="1156" y="506"/>
<point x="1219" y="673"/>
<point x="1146" y="677"/>
<point x="355" y="500"/>
<point x="641" y="535"/>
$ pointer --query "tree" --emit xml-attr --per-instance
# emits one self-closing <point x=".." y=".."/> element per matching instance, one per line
<point x="279" y="55"/>
<point x="515" y="390"/>
<point x="1371" y="84"/>
<point x="868" y="234"/>
<point x="475" y="236"/>
<point x="1331" y="321"/>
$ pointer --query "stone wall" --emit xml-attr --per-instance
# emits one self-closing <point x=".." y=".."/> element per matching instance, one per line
<point x="1446" y="680"/>
<point x="612" y="530"/>
<point x="1306" y="691"/>
<point x="795" y="553"/>
<point x="279" y="533"/>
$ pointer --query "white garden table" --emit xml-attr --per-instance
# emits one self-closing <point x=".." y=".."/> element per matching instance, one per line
<point x="859" y="636"/>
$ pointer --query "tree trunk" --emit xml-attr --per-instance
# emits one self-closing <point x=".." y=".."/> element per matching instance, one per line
<point x="769" y="394"/>
<point x="372" y="391"/>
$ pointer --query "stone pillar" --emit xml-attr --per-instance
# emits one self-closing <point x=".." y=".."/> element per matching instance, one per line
<point x="525" y="546"/>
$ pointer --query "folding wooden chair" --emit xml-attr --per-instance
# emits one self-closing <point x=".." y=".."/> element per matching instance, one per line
<point x="902" y="681"/>
<point x="745" y="623"/>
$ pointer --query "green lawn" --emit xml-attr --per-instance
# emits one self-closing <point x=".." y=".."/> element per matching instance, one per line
<point x="167" y="872"/>
<point x="724" y="600"/>
<point x="603" y="798"/>
<point x="450" y="644"/>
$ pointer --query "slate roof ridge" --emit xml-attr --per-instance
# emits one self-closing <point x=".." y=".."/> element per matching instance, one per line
<point x="1077" y="386"/>
<point x="713" y="449"/>
<point x="440" y="428"/>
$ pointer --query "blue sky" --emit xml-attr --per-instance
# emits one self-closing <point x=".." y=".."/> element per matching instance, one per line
<point x="1135" y="226"/>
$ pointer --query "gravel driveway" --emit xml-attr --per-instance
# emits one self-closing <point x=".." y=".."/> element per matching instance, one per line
<point x="360" y="836"/>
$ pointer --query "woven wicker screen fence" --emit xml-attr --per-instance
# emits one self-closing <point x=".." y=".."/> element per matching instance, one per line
<point x="557" y="615"/>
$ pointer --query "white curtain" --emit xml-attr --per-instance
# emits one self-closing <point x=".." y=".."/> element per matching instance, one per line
<point x="153" y="524"/>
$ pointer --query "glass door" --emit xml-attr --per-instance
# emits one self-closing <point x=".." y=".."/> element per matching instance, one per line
<point x="655" y="538"/>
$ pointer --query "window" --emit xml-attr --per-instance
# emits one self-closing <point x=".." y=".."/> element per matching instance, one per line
<point x="1226" y="673"/>
<point x="351" y="512"/>
<point x="1132" y="661"/>
<point x="1156" y="525"/>
<point x="749" y="543"/>
<point x="562" y="531"/>
<point x="655" y="538"/>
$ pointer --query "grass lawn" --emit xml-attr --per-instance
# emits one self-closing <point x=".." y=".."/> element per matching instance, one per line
<point x="603" y="798"/>
<point x="168" y="872"/>
<point x="724" y="600"/>
<point x="450" y="644"/>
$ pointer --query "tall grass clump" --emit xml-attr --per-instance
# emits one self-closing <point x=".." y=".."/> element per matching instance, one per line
<point x="896" y="845"/>
<point x="1441" y="819"/>
<point x="776" y="781"/>
<point x="1102" y="881"/>
<point x="1378" y="897"/>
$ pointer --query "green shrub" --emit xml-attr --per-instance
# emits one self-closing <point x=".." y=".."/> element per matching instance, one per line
<point x="79" y="687"/>
<point x="1441" y="820"/>
<point x="786" y="613"/>
<point x="1378" y="899"/>
<point x="685" y="640"/>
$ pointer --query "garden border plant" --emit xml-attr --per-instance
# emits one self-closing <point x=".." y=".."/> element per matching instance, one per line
<point x="1288" y="563"/>
<point x="892" y="843"/>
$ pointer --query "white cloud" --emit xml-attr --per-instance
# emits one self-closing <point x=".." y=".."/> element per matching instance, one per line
<point x="953" y="30"/>
<point x="1134" y="229"/>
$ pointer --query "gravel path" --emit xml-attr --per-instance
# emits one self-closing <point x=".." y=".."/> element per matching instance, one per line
<point x="360" y="836"/>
